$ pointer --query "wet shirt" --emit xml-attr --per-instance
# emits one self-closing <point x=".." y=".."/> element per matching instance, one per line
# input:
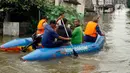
<point x="77" y="35"/>
<point x="49" y="36"/>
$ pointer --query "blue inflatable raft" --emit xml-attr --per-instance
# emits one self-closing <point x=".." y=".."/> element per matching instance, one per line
<point x="50" y="53"/>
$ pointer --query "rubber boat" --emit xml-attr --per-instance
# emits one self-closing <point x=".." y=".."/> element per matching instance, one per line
<point x="59" y="52"/>
<point x="51" y="53"/>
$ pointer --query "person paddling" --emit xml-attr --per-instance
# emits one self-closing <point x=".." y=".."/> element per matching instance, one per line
<point x="92" y="30"/>
<point x="61" y="31"/>
<point x="60" y="21"/>
<point x="36" y="37"/>
<point x="48" y="39"/>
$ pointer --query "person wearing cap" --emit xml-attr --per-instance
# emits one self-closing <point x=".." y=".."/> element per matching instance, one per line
<point x="49" y="36"/>
<point x="92" y="30"/>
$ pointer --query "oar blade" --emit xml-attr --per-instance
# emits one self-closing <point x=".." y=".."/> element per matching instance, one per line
<point x="75" y="53"/>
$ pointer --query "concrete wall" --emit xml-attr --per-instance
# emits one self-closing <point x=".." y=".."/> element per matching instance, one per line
<point x="81" y="8"/>
<point x="15" y="28"/>
<point x="89" y="4"/>
<point x="11" y="28"/>
<point x="57" y="2"/>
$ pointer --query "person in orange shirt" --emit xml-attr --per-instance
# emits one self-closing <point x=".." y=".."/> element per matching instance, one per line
<point x="41" y="25"/>
<point x="40" y="31"/>
<point x="92" y="30"/>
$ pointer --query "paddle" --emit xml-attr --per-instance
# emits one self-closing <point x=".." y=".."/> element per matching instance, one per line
<point x="74" y="52"/>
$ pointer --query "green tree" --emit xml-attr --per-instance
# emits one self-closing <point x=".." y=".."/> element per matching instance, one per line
<point x="128" y="3"/>
<point x="30" y="8"/>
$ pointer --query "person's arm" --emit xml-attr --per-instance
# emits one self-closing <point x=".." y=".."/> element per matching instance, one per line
<point x="60" y="17"/>
<point x="44" y="24"/>
<point x="54" y="34"/>
<point x="99" y="31"/>
<point x="63" y="38"/>
<point x="83" y="37"/>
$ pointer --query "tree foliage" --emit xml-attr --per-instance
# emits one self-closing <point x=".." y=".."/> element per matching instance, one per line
<point x="30" y="9"/>
<point x="27" y="8"/>
<point x="19" y="5"/>
<point x="70" y="13"/>
<point x="128" y="3"/>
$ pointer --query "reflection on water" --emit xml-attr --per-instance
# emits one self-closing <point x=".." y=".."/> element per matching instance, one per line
<point x="104" y="22"/>
<point x="114" y="58"/>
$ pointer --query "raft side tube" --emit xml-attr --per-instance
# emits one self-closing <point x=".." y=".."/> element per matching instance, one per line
<point x="17" y="42"/>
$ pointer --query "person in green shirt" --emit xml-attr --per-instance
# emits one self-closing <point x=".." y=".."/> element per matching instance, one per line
<point x="77" y="34"/>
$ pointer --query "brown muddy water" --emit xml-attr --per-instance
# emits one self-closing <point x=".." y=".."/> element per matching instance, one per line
<point x="113" y="58"/>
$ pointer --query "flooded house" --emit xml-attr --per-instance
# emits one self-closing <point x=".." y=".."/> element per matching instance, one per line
<point x="104" y="5"/>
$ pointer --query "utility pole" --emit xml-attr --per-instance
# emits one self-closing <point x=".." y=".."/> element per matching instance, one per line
<point x="97" y="2"/>
<point x="97" y="5"/>
<point x="113" y="2"/>
<point x="104" y="5"/>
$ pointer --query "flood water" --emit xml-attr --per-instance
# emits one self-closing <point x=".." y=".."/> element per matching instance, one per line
<point x="113" y="58"/>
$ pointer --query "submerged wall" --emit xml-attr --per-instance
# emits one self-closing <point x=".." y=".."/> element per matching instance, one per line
<point x="11" y="28"/>
<point x="15" y="28"/>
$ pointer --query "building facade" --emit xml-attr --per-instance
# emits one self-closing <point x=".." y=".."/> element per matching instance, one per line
<point x="102" y="2"/>
<point x="104" y="5"/>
